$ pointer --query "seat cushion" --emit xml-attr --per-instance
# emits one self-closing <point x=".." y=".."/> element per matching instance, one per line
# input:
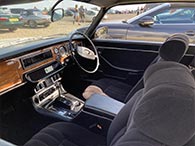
<point x="113" y="88"/>
<point x="66" y="134"/>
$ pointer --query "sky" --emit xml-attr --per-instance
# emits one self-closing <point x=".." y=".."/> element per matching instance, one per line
<point x="66" y="4"/>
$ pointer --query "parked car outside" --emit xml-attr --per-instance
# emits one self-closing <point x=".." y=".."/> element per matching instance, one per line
<point x="34" y="18"/>
<point x="16" y="10"/>
<point x="9" y="21"/>
<point x="68" y="12"/>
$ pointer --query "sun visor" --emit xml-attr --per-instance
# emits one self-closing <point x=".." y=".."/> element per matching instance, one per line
<point x="109" y="3"/>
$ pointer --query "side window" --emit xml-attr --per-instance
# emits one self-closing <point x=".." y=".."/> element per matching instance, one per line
<point x="175" y="15"/>
<point x="149" y="22"/>
<point x="116" y="21"/>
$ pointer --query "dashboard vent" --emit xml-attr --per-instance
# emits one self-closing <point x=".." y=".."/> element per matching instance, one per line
<point x="27" y="62"/>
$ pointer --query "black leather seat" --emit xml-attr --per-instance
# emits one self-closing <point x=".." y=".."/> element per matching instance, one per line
<point x="173" y="49"/>
<point x="160" y="114"/>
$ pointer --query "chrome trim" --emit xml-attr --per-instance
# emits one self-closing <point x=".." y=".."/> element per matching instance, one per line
<point x="126" y="49"/>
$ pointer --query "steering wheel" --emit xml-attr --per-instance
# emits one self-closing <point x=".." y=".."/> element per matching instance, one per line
<point x="84" y="52"/>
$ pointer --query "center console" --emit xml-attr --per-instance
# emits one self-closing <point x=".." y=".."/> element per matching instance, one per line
<point x="51" y="99"/>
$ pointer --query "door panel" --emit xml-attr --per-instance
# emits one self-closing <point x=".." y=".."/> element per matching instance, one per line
<point x="125" y="60"/>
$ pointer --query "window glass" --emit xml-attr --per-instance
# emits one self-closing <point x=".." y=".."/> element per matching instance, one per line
<point x="148" y="22"/>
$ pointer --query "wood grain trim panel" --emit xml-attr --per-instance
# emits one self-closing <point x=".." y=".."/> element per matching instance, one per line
<point x="9" y="74"/>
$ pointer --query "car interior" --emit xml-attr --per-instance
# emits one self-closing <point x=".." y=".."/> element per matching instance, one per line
<point x="82" y="91"/>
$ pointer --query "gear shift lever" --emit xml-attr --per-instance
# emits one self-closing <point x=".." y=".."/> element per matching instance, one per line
<point x="60" y="103"/>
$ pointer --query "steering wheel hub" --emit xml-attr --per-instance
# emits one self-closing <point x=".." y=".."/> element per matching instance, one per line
<point x="84" y="52"/>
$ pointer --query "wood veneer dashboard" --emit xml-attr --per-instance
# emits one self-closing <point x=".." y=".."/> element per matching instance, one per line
<point x="12" y="70"/>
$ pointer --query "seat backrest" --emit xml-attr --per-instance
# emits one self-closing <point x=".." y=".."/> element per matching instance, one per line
<point x="173" y="49"/>
<point x="162" y="113"/>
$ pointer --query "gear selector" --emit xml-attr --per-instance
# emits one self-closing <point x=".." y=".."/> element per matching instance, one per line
<point x="62" y="103"/>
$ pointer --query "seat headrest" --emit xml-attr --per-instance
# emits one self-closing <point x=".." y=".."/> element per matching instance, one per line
<point x="166" y="112"/>
<point x="174" y="48"/>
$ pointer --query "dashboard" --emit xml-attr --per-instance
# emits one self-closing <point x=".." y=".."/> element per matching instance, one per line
<point x="32" y="66"/>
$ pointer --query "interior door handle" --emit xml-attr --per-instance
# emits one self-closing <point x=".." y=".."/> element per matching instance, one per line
<point x="190" y="33"/>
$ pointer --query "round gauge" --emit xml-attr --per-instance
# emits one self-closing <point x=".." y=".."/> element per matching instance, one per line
<point x="56" y="50"/>
<point x="62" y="51"/>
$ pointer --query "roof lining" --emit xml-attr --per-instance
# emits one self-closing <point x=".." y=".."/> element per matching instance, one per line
<point x="111" y="3"/>
<point x="10" y="2"/>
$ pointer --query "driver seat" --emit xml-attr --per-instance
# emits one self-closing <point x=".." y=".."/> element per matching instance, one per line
<point x="161" y="114"/>
<point x="173" y="49"/>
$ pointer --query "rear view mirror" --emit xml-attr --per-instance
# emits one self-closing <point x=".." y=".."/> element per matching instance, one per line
<point x="57" y="14"/>
<point x="146" y="21"/>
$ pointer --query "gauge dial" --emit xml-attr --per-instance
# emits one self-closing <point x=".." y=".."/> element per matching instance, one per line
<point x="62" y="52"/>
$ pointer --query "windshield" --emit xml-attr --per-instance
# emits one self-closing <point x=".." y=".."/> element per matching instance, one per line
<point x="32" y="21"/>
